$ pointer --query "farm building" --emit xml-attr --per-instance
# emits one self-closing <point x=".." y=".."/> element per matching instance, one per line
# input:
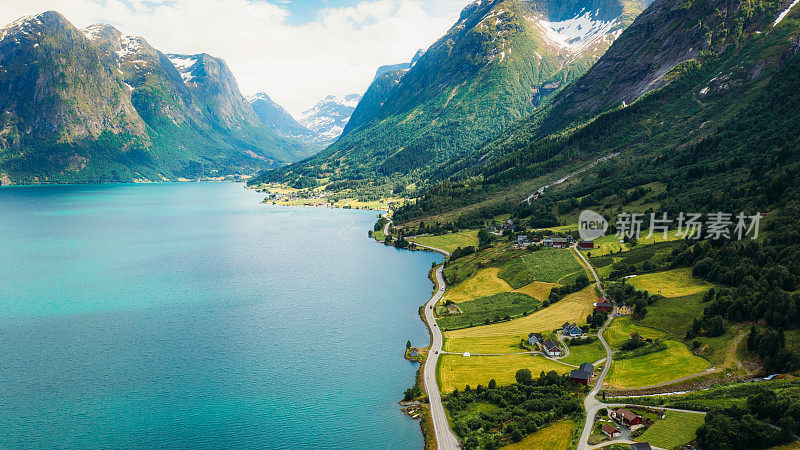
<point x="586" y="245"/>
<point x="604" y="305"/>
<point x="627" y="418"/>
<point x="535" y="338"/>
<point x="552" y="349"/>
<point x="571" y="330"/>
<point x="583" y="374"/>
<point x="641" y="446"/>
<point x="611" y="431"/>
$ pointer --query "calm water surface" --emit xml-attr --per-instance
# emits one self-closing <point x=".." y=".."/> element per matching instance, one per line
<point x="190" y="315"/>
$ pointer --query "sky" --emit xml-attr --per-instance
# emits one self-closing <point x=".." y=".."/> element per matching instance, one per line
<point x="297" y="51"/>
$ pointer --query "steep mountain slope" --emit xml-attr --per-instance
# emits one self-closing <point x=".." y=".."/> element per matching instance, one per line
<point x="386" y="78"/>
<point x="500" y="62"/>
<point x="101" y="106"/>
<point x="281" y="122"/>
<point x="329" y="117"/>
<point x="722" y="120"/>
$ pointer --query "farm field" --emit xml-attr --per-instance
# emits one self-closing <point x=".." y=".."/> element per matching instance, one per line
<point x="580" y="354"/>
<point x="547" y="265"/>
<point x="456" y="371"/>
<point x="672" y="283"/>
<point x="484" y="283"/>
<point x="450" y="241"/>
<point x="490" y="308"/>
<point x="497" y="344"/>
<point x="675" y="429"/>
<point x="671" y="364"/>
<point x="674" y="315"/>
<point x="488" y="282"/>
<point x="574" y="308"/>
<point x="555" y="437"/>
<point x="621" y="329"/>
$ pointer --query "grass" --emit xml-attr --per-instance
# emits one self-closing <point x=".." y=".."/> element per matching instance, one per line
<point x="378" y="236"/>
<point x="675" y="429"/>
<point x="718" y="396"/>
<point x="672" y="283"/>
<point x="674" y="315"/>
<point x="451" y="241"/>
<point x="555" y="437"/>
<point x="456" y="371"/>
<point x="590" y="353"/>
<point x="621" y="329"/>
<point x="656" y="368"/>
<point x="573" y="308"/>
<point x="491" y="308"/>
<point x="479" y="344"/>
<point x="487" y="282"/>
<point x="484" y="283"/>
<point x="547" y="265"/>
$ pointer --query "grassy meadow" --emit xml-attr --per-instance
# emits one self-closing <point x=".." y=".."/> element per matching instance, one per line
<point x="555" y="437"/>
<point x="491" y="308"/>
<point x="456" y="371"/>
<point x="547" y="265"/>
<point x="450" y="241"/>
<point x="671" y="283"/>
<point x="677" y="361"/>
<point x="674" y="429"/>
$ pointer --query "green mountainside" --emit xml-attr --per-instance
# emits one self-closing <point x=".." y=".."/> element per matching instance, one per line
<point x="96" y="106"/>
<point x="497" y="64"/>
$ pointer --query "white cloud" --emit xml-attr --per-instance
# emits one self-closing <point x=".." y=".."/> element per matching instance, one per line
<point x="335" y="53"/>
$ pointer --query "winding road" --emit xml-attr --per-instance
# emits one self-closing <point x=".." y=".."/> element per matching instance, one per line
<point x="445" y="438"/>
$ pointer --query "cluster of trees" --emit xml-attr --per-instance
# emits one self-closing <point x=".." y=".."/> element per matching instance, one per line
<point x="625" y="294"/>
<point x="462" y="252"/>
<point x="522" y="408"/>
<point x="770" y="346"/>
<point x="767" y="420"/>
<point x="596" y="319"/>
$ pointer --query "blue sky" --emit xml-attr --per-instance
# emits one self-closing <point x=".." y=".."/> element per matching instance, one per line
<point x="297" y="51"/>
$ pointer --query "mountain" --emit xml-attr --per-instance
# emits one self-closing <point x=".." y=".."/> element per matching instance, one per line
<point x="708" y="120"/>
<point x="280" y="121"/>
<point x="329" y="117"/>
<point x="386" y="78"/>
<point x="97" y="105"/>
<point x="501" y="61"/>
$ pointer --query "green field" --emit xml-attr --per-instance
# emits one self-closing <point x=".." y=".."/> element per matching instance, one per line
<point x="621" y="329"/>
<point x="492" y="308"/>
<point x="580" y="354"/>
<point x="674" y="315"/>
<point x="451" y="241"/>
<point x="456" y="371"/>
<point x="573" y="308"/>
<point x="548" y="265"/>
<point x="675" y="429"/>
<point x="555" y="437"/>
<point x="719" y="396"/>
<point x="671" y="283"/>
<point x="656" y="368"/>
<point x="482" y="284"/>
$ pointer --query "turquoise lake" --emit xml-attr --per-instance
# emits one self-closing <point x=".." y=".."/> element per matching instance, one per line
<point x="192" y="315"/>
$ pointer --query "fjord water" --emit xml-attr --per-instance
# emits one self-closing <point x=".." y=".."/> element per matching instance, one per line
<point x="191" y="315"/>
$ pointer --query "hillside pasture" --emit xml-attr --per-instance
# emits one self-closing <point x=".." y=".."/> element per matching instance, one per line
<point x="456" y="371"/>
<point x="671" y="283"/>
<point x="677" y="361"/>
<point x="450" y="241"/>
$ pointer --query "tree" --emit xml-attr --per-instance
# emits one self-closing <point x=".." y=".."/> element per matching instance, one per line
<point x="492" y="384"/>
<point x="524" y="376"/>
<point x="408" y="345"/>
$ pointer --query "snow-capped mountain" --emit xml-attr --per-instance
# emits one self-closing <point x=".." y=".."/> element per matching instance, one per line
<point x="278" y="119"/>
<point x="329" y="117"/>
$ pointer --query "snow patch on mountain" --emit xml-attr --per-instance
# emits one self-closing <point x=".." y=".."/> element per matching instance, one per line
<point x="184" y="65"/>
<point x="23" y="26"/>
<point x="577" y="34"/>
<point x="129" y="45"/>
<point x="329" y="117"/>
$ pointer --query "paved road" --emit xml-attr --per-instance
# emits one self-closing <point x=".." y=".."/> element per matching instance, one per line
<point x="591" y="403"/>
<point x="445" y="439"/>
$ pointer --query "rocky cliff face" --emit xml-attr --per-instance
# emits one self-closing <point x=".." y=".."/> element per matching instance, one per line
<point x="53" y="83"/>
<point x="99" y="105"/>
